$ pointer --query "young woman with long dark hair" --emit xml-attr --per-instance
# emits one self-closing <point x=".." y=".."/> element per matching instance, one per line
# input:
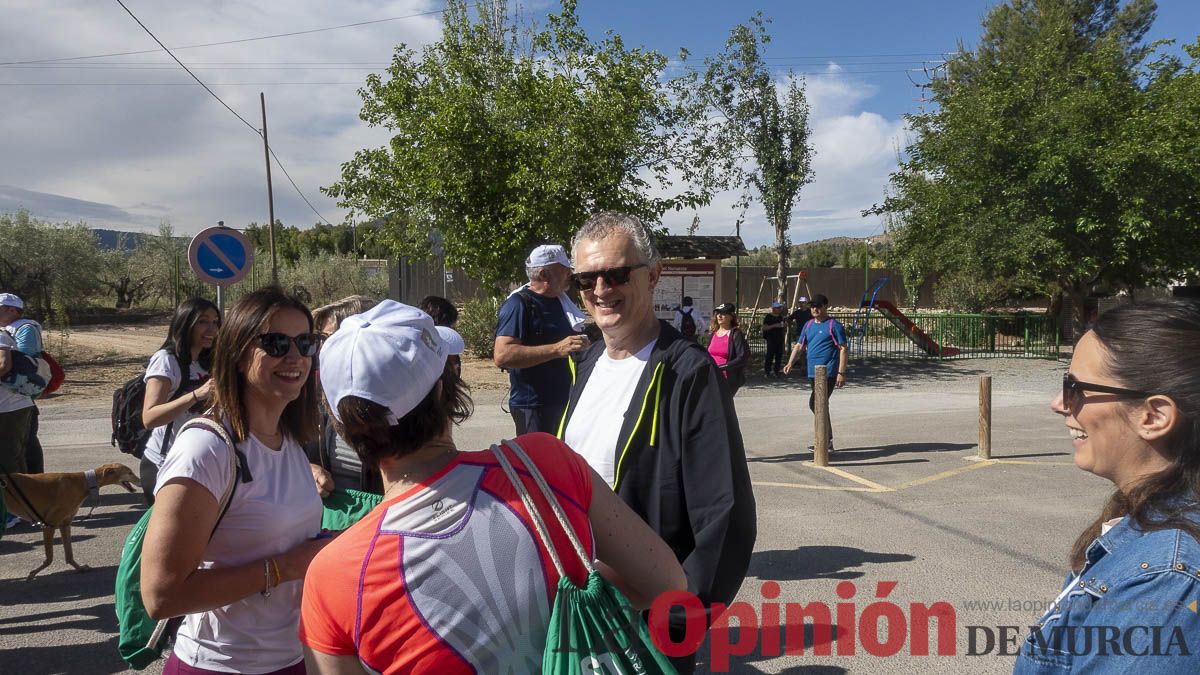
<point x="177" y="386"/>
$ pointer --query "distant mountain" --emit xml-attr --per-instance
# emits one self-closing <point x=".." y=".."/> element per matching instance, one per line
<point x="107" y="240"/>
<point x="843" y="242"/>
<point x="110" y="239"/>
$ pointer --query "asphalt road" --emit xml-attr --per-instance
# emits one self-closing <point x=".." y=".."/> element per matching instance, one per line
<point x="904" y="502"/>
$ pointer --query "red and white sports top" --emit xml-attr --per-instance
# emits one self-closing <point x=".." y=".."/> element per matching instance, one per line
<point x="450" y="577"/>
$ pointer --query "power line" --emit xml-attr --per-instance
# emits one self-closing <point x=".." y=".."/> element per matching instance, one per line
<point x="350" y="66"/>
<point x="235" y="114"/>
<point x="359" y="83"/>
<point x="168" y="51"/>
<point x="289" y="177"/>
<point x="225" y="42"/>
<point x="110" y="67"/>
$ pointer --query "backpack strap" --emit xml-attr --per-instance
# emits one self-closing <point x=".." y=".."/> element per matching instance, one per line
<point x="804" y="332"/>
<point x="238" y="466"/>
<point x="532" y="325"/>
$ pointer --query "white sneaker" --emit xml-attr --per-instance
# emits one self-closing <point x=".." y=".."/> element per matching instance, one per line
<point x="12" y="521"/>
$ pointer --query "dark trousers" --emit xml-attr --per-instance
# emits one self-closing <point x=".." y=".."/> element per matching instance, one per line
<point x="149" y="476"/>
<point x="812" y="398"/>
<point x="35" y="460"/>
<point x="14" y="433"/>
<point x="542" y="418"/>
<point x="773" y="362"/>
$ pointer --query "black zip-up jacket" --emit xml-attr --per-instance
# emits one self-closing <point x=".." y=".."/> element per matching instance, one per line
<point x="681" y="465"/>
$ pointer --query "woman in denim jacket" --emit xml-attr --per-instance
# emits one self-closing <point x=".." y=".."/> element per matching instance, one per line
<point x="1131" y="401"/>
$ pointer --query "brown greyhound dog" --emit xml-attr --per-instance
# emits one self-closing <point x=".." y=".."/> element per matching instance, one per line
<point x="56" y="498"/>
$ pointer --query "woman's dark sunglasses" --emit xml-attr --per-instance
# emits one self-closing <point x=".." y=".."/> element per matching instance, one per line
<point x="1072" y="391"/>
<point x="613" y="276"/>
<point x="277" y="344"/>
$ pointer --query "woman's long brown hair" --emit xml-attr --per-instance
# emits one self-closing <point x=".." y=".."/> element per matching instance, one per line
<point x="239" y="334"/>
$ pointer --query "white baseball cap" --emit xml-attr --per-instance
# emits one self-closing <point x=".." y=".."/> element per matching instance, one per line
<point x="548" y="254"/>
<point x="391" y="354"/>
<point x="10" y="300"/>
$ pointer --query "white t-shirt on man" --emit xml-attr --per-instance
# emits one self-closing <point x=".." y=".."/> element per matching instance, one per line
<point x="164" y="365"/>
<point x="271" y="514"/>
<point x="595" y="425"/>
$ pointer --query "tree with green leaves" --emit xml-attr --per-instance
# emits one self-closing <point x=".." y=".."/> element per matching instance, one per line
<point x="51" y="266"/>
<point x="759" y="142"/>
<point x="1054" y="159"/>
<point x="503" y="141"/>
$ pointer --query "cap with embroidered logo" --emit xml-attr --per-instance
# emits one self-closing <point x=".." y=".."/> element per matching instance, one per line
<point x="392" y="354"/>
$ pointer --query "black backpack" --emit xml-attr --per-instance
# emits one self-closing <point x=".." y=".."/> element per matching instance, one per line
<point x="687" y="325"/>
<point x="129" y="435"/>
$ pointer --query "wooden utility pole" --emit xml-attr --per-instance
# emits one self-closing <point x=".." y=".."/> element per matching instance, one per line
<point x="270" y="195"/>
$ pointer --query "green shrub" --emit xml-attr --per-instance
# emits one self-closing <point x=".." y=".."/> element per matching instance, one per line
<point x="322" y="279"/>
<point x="477" y="325"/>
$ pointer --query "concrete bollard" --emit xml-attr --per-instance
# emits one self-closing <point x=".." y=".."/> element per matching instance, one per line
<point x="985" y="417"/>
<point x="821" y="417"/>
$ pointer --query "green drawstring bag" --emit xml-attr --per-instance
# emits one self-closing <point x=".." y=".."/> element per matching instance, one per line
<point x="593" y="629"/>
<point x="141" y="639"/>
<point x="345" y="507"/>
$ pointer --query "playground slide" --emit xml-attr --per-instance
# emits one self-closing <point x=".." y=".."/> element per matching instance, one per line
<point x="911" y="331"/>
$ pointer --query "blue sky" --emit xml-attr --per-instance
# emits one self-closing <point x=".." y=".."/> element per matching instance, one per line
<point x="130" y="142"/>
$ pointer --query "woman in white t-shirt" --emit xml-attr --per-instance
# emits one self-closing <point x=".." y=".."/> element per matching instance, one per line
<point x="239" y="591"/>
<point x="177" y="386"/>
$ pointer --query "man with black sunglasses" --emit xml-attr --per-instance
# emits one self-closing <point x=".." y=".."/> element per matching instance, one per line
<point x="653" y="416"/>
<point x="535" y="336"/>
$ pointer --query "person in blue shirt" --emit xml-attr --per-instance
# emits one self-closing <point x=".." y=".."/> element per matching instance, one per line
<point x="535" y="335"/>
<point x="1131" y="404"/>
<point x="825" y="340"/>
<point x="27" y="336"/>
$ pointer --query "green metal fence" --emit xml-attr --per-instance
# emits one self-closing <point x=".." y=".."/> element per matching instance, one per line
<point x="951" y="336"/>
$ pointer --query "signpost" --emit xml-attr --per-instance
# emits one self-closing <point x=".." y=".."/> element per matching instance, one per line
<point x="221" y="256"/>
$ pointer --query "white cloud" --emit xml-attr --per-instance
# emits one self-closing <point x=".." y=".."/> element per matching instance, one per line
<point x="172" y="152"/>
<point x="855" y="154"/>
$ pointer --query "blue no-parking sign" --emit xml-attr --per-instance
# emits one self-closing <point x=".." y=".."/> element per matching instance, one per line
<point x="220" y="255"/>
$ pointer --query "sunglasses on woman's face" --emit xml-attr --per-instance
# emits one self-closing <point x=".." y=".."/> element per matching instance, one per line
<point x="613" y="276"/>
<point x="1072" y="391"/>
<point x="277" y="344"/>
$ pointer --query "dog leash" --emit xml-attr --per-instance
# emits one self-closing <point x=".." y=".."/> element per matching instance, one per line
<point x="41" y="522"/>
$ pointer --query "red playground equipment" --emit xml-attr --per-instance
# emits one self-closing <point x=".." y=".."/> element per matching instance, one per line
<point x="897" y="318"/>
